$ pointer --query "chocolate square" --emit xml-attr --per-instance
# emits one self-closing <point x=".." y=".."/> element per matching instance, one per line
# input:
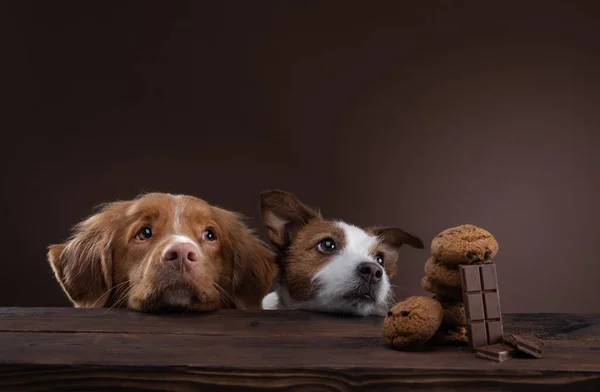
<point x="488" y="277"/>
<point x="492" y="306"/>
<point x="474" y="304"/>
<point x="527" y="344"/>
<point x="496" y="352"/>
<point x="470" y="278"/>
<point x="477" y="333"/>
<point x="494" y="331"/>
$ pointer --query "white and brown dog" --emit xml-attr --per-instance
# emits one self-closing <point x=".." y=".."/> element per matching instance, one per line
<point x="327" y="265"/>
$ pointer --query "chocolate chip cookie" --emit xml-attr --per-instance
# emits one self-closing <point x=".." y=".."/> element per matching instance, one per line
<point x="448" y="335"/>
<point x="465" y="244"/>
<point x="412" y="322"/>
<point x="454" y="293"/>
<point x="442" y="274"/>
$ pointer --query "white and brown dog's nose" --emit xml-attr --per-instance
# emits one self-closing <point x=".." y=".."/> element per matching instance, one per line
<point x="178" y="254"/>
<point x="369" y="271"/>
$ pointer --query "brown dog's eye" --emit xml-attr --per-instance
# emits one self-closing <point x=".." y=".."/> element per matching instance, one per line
<point x="327" y="245"/>
<point x="144" y="233"/>
<point x="209" y="235"/>
<point x="379" y="258"/>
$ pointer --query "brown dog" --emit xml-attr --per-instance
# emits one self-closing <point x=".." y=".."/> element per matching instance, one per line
<point x="163" y="252"/>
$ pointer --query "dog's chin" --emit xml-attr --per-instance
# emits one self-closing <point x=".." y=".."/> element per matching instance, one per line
<point x="368" y="306"/>
<point x="178" y="298"/>
<point x="361" y="300"/>
<point x="367" y="299"/>
<point x="362" y="293"/>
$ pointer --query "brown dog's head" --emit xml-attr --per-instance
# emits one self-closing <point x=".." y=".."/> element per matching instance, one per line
<point x="161" y="252"/>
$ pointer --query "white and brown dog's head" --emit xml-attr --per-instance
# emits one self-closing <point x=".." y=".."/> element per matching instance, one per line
<point x="327" y="265"/>
<point x="163" y="252"/>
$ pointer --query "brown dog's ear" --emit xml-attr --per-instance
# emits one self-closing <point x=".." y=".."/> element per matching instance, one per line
<point x="83" y="264"/>
<point x="283" y="214"/>
<point x="392" y="239"/>
<point x="252" y="263"/>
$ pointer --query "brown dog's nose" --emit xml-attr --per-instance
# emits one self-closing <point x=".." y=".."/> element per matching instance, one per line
<point x="180" y="253"/>
<point x="369" y="271"/>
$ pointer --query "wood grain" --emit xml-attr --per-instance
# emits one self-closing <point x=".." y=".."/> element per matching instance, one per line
<point x="286" y="323"/>
<point x="60" y="349"/>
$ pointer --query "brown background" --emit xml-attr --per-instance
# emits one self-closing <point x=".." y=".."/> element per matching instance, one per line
<point x="423" y="116"/>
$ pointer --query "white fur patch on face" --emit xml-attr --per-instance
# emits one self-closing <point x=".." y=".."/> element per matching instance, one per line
<point x="339" y="276"/>
<point x="174" y="238"/>
<point x="177" y="213"/>
<point x="177" y="224"/>
<point x="183" y="238"/>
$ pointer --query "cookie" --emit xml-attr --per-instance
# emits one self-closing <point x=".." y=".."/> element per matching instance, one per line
<point x="446" y="300"/>
<point x="454" y="293"/>
<point x="441" y="274"/>
<point x="466" y="244"/>
<point x="412" y="322"/>
<point x="448" y="335"/>
<point x="454" y="314"/>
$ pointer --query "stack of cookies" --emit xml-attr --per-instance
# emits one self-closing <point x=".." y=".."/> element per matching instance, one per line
<point x="465" y="244"/>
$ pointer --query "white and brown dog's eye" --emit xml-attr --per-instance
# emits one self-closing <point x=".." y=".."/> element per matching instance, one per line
<point x="379" y="258"/>
<point x="144" y="234"/>
<point x="327" y="245"/>
<point x="209" y="235"/>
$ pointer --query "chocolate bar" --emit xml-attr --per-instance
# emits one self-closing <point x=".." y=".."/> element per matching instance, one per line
<point x="482" y="304"/>
<point x="528" y="345"/>
<point x="499" y="352"/>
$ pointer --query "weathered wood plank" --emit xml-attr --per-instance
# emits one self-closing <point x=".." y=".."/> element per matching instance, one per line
<point x="286" y="323"/>
<point x="50" y="349"/>
<point x="219" y="323"/>
<point x="188" y="379"/>
<point x="317" y="352"/>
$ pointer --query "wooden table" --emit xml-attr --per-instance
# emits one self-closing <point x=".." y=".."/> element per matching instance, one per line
<point x="62" y="349"/>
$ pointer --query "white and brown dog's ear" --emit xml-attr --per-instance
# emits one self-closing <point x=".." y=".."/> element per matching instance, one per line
<point x="397" y="237"/>
<point x="83" y="264"/>
<point x="253" y="263"/>
<point x="392" y="239"/>
<point x="283" y="214"/>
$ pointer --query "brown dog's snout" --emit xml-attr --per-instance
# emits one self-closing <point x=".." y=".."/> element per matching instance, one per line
<point x="178" y="254"/>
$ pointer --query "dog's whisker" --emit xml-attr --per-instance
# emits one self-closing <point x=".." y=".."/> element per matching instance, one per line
<point x="401" y="288"/>
<point x="226" y="278"/>
<point x="124" y="297"/>
<point x="223" y="294"/>
<point x="107" y="292"/>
